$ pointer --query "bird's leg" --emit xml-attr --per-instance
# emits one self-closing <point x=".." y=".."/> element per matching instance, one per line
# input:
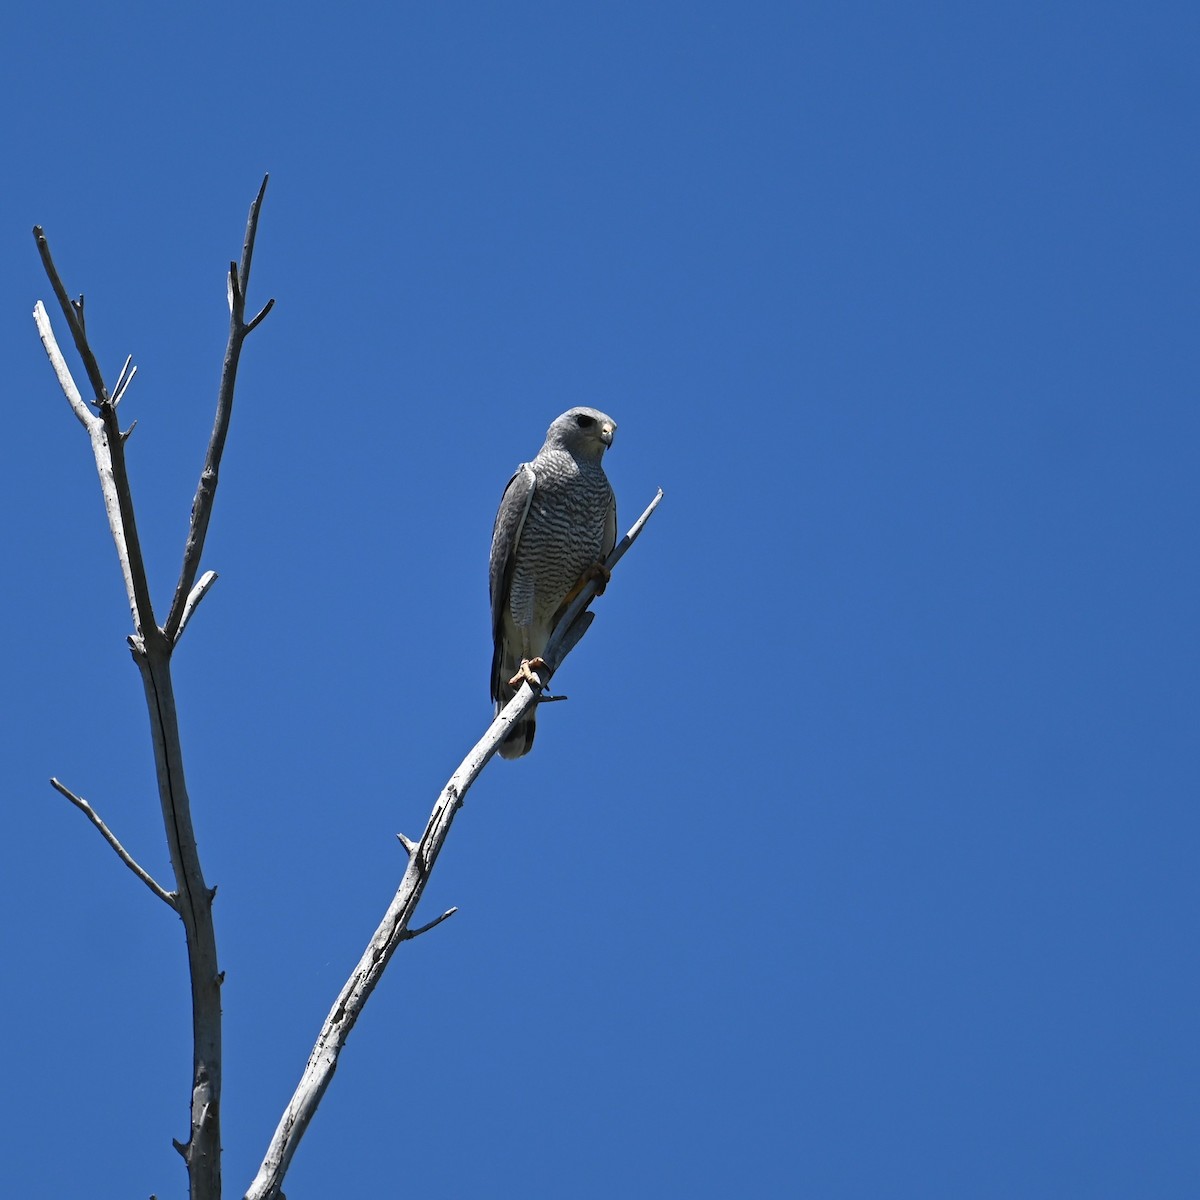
<point x="529" y="661"/>
<point x="526" y="673"/>
<point x="598" y="572"/>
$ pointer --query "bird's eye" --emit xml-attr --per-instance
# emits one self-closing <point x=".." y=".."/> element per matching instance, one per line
<point x="584" y="421"/>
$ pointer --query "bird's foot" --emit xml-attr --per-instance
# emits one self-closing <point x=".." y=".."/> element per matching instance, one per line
<point x="526" y="673"/>
<point x="597" y="572"/>
<point x="600" y="574"/>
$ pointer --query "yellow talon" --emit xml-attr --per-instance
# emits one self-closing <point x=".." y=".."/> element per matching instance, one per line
<point x="526" y="673"/>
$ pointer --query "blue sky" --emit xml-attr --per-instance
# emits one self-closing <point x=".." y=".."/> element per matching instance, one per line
<point x="862" y="862"/>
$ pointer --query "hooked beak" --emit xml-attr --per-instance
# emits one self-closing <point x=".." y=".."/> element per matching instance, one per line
<point x="606" y="432"/>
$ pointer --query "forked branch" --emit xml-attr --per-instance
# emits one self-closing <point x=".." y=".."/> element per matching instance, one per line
<point x="394" y="928"/>
<point x="152" y="648"/>
<point x="206" y="489"/>
<point x="108" y="446"/>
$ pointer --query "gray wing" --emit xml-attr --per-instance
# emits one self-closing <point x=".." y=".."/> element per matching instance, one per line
<point x="610" y="526"/>
<point x="506" y="536"/>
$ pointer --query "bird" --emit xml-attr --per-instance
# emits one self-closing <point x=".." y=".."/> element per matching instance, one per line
<point x="556" y="524"/>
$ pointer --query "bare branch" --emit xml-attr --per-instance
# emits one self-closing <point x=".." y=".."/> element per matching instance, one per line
<point x="409" y="934"/>
<point x="61" y="370"/>
<point x="92" y="815"/>
<point x="107" y="446"/>
<point x="194" y="597"/>
<point x="73" y="311"/>
<point x="152" y="648"/>
<point x="248" y="242"/>
<point x="410" y="847"/>
<point x="114" y="484"/>
<point x="393" y="929"/>
<point x="239" y="280"/>
<point x="123" y="381"/>
<point x="254" y="322"/>
<point x="143" y="609"/>
<point x="202" y="1150"/>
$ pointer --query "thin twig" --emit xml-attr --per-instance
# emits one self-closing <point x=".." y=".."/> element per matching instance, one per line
<point x="393" y="929"/>
<point x="123" y="381"/>
<point x="73" y="311"/>
<point x="248" y="240"/>
<point x="92" y="815"/>
<point x="409" y="934"/>
<point x="239" y="281"/>
<point x="194" y="597"/>
<point x="255" y="321"/>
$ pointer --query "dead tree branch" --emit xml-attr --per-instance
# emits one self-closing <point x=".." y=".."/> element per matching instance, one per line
<point x="206" y="489"/>
<point x="393" y="929"/>
<point x="151" y="647"/>
<point x="115" y="502"/>
<point x="111" y="838"/>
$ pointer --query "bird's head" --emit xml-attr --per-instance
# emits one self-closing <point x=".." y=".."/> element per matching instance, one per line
<point x="585" y="432"/>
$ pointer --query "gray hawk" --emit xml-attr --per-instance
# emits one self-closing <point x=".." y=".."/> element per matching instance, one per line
<point x="556" y="525"/>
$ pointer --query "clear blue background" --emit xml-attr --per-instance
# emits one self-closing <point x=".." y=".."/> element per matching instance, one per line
<point x="863" y="860"/>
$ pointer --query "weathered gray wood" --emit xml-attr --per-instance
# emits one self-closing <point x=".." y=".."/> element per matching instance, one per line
<point x="111" y="838"/>
<point x="393" y="929"/>
<point x="151" y="647"/>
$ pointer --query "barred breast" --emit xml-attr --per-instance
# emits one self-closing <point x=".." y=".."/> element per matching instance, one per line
<point x="563" y="534"/>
